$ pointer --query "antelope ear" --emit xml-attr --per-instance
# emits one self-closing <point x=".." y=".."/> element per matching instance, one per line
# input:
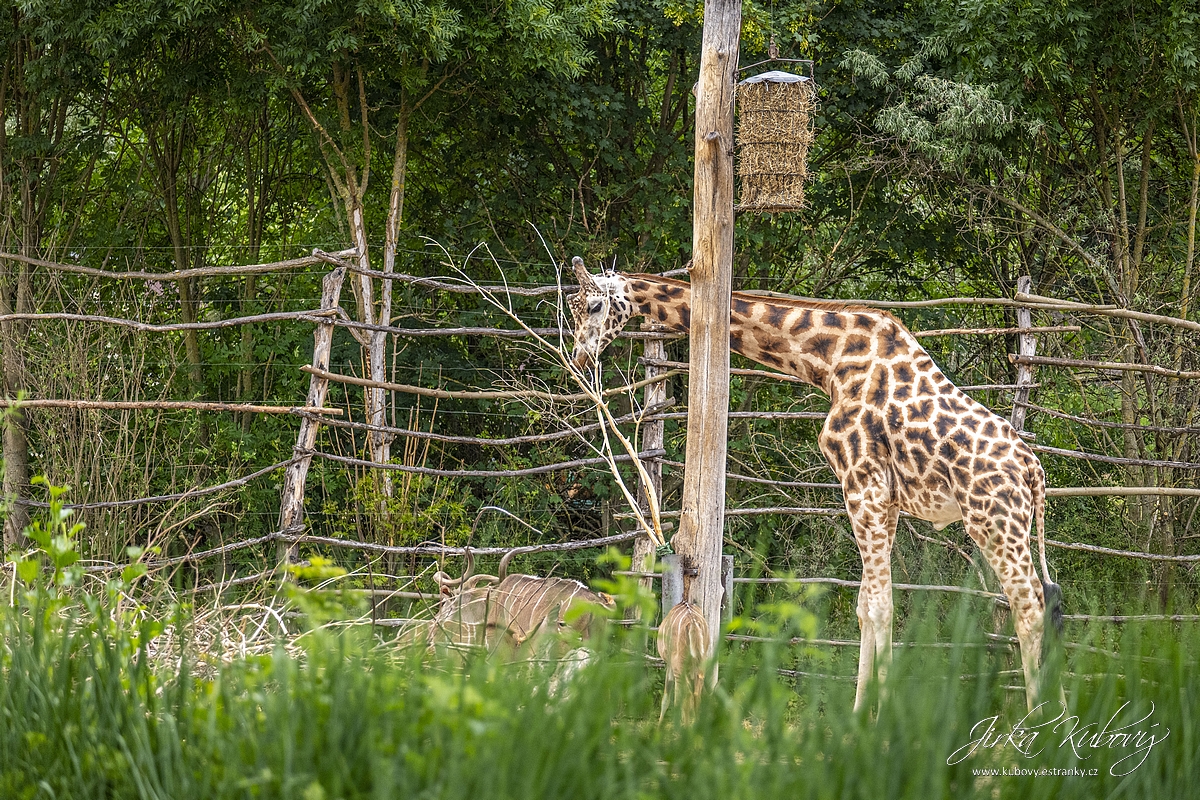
<point x="582" y="275"/>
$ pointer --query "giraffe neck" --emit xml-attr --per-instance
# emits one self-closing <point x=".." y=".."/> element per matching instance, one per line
<point x="806" y="340"/>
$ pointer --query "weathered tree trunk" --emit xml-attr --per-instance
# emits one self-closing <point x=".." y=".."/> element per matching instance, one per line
<point x="701" y="524"/>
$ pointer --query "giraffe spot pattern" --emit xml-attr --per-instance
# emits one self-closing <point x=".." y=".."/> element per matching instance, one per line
<point x="899" y="434"/>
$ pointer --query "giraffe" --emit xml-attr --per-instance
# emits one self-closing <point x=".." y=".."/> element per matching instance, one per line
<point x="899" y="436"/>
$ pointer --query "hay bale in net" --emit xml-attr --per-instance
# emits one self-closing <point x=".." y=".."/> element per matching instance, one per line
<point x="775" y="129"/>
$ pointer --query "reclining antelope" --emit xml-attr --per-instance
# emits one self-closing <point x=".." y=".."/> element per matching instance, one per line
<point x="515" y="613"/>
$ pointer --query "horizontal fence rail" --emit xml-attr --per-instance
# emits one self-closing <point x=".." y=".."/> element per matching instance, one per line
<point x="656" y="412"/>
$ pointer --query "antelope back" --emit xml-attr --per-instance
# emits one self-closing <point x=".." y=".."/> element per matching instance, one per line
<point x="523" y="607"/>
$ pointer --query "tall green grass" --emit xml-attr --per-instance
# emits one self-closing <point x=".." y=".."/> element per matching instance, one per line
<point x="87" y="712"/>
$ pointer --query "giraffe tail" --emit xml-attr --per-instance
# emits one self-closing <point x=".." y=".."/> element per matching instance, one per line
<point x="1051" y="591"/>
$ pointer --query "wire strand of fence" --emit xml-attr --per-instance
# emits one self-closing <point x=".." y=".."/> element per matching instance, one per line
<point x="1108" y="551"/>
<point x="486" y="442"/>
<point x="1132" y="462"/>
<point x="167" y="405"/>
<point x="167" y="498"/>
<point x="1118" y="366"/>
<point x="442" y="550"/>
<point x="446" y="394"/>
<point x="287" y="536"/>
<point x="484" y="473"/>
<point x="1039" y="302"/>
<point x="1125" y="426"/>
<point x="178" y="274"/>
<point x="764" y="481"/>
<point x="501" y="333"/>
<point x="161" y="563"/>
<point x="172" y="327"/>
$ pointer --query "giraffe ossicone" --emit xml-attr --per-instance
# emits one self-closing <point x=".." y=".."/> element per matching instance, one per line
<point x="899" y="436"/>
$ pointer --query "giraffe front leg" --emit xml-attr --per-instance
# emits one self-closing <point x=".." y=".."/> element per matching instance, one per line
<point x="873" y="517"/>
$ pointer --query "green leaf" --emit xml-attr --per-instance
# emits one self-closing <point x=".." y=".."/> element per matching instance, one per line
<point x="27" y="569"/>
<point x="133" y="572"/>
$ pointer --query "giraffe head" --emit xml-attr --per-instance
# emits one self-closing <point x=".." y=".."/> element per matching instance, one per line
<point x="601" y="308"/>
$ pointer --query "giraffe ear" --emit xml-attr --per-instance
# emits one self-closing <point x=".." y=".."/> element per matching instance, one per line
<point x="582" y="275"/>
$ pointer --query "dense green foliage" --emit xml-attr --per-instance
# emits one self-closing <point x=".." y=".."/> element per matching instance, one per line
<point x="93" y="704"/>
<point x="960" y="145"/>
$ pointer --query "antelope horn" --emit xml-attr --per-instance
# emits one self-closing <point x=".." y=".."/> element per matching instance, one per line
<point x="475" y="580"/>
<point x="581" y="274"/>
<point x="508" y="556"/>
<point x="445" y="582"/>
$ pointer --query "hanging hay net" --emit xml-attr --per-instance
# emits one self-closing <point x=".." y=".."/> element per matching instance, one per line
<point x="775" y="129"/>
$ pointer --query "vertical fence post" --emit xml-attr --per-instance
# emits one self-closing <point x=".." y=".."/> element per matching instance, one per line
<point x="672" y="582"/>
<point x="291" y="504"/>
<point x="1028" y="347"/>
<point x="652" y="439"/>
<point x="702" y="510"/>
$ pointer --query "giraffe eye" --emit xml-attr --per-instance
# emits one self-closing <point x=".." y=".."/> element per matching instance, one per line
<point x="595" y="306"/>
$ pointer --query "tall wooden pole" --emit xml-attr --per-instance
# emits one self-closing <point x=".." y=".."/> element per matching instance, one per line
<point x="701" y="525"/>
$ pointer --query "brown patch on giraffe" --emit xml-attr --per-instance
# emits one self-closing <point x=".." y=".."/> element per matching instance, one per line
<point x="852" y="370"/>
<point x="776" y="315"/>
<point x="839" y="422"/>
<point x="895" y="417"/>
<point x="920" y="410"/>
<point x="877" y="437"/>
<point x="903" y="374"/>
<point x="877" y="395"/>
<point x="854" y="442"/>
<point x="943" y="424"/>
<point x="822" y="345"/>
<point x="768" y="343"/>
<point x="922" y="437"/>
<point x="834" y="448"/>
<point x="803" y="323"/>
<point x="891" y="341"/>
<point x="924" y="386"/>
<point x="951" y="404"/>
<point x="831" y="319"/>
<point x="855" y="345"/>
<point x="740" y="307"/>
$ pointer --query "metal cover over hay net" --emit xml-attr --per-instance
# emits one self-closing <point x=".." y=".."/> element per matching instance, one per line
<point x="775" y="129"/>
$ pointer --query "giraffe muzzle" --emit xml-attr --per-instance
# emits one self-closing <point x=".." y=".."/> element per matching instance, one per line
<point x="581" y="358"/>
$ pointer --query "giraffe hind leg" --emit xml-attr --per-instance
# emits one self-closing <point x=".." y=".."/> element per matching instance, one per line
<point x="866" y="652"/>
<point x="1013" y="564"/>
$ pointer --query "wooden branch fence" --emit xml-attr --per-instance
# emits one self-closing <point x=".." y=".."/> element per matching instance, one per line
<point x="290" y="533"/>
